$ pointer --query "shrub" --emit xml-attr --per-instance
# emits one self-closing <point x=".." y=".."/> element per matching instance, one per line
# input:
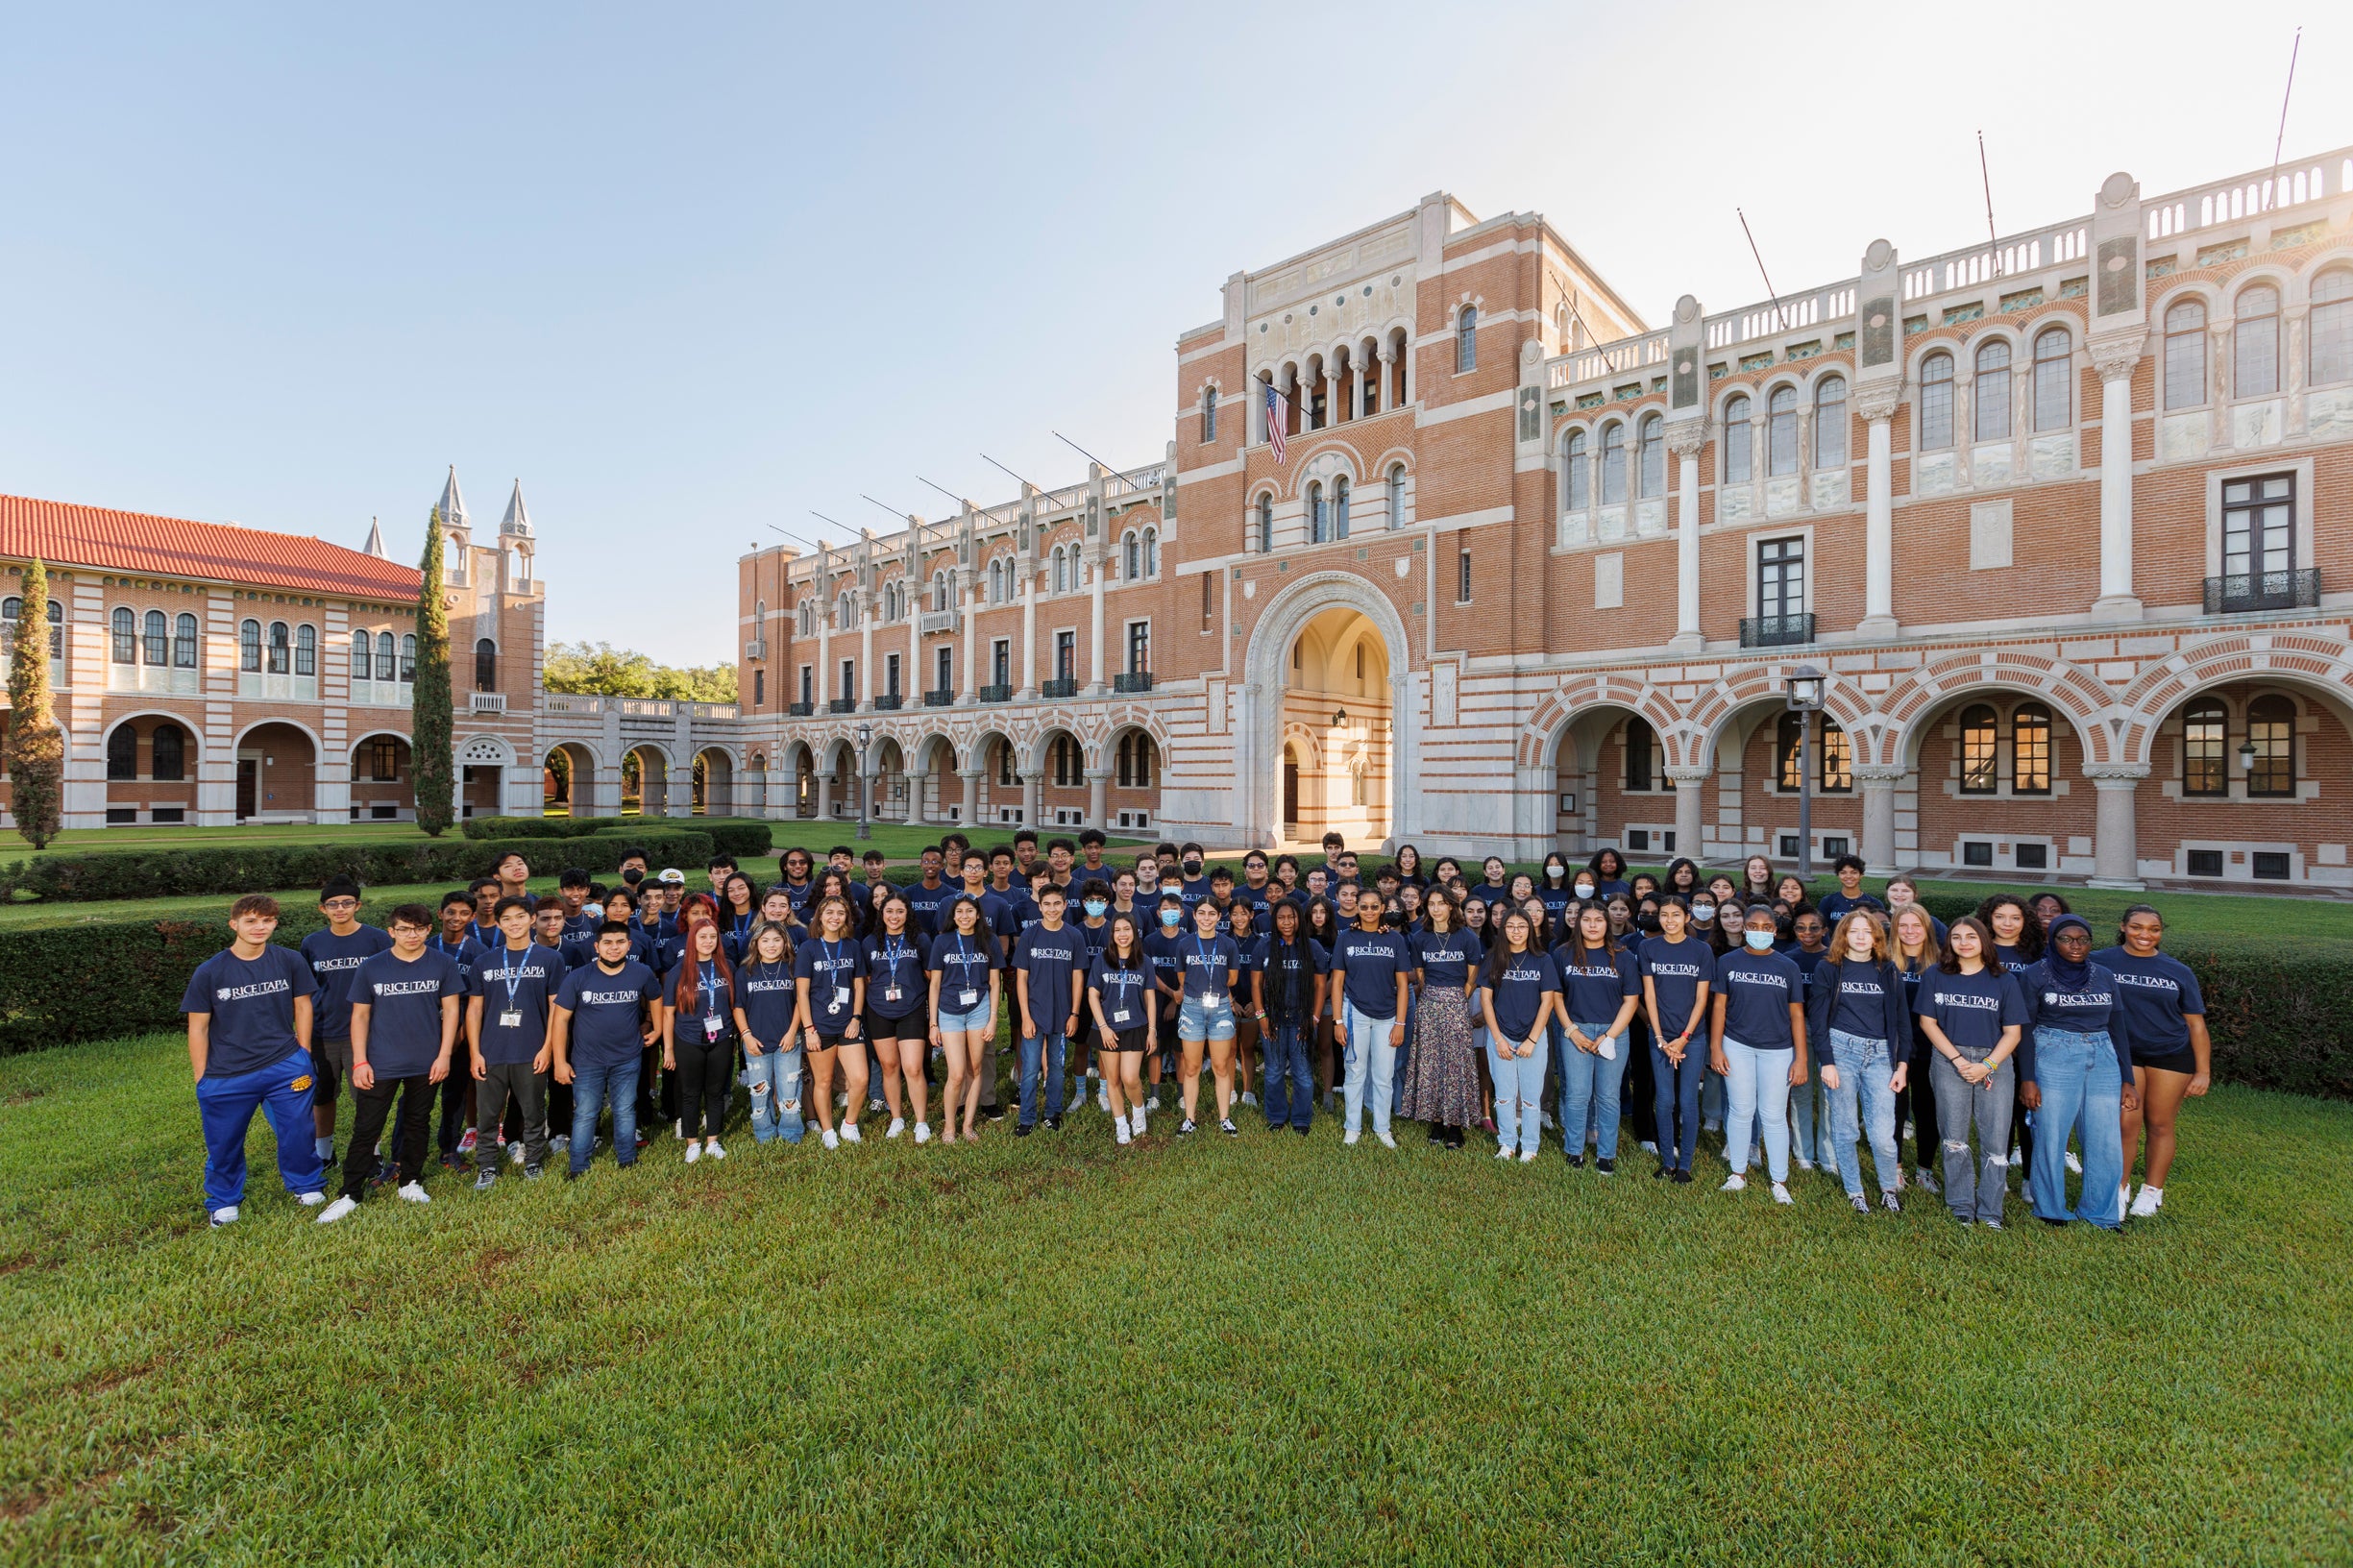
<point x="738" y="835"/>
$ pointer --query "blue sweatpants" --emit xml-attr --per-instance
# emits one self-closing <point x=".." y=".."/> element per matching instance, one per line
<point x="281" y="1092"/>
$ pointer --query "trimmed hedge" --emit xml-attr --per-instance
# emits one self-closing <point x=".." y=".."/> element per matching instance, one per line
<point x="233" y="868"/>
<point x="738" y="835"/>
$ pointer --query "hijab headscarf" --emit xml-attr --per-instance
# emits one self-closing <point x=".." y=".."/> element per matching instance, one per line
<point x="2070" y="976"/>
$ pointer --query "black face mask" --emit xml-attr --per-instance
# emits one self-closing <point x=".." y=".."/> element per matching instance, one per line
<point x="1648" y="920"/>
<point x="1192" y="869"/>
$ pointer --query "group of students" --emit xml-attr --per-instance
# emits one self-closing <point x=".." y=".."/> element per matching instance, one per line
<point x="1513" y="1005"/>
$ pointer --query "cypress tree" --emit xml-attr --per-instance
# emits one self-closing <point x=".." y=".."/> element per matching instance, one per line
<point x="36" y="751"/>
<point x="432" y="766"/>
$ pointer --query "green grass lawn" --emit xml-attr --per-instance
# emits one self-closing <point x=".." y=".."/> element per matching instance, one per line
<point x="1054" y="1350"/>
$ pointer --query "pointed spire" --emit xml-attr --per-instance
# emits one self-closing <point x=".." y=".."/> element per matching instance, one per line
<point x="518" y="519"/>
<point x="452" y="505"/>
<point x="375" y="540"/>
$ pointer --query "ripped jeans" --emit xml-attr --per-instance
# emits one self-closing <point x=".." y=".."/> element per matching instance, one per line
<point x="1975" y="1185"/>
<point x="776" y="1079"/>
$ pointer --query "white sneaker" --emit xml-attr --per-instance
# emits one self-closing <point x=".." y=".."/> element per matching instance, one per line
<point x="1151" y="1101"/>
<point x="1349" y="1137"/>
<point x="898" y="1125"/>
<point x="413" y="1192"/>
<point x="337" y="1209"/>
<point x="1804" y="1163"/>
<point x="677" y="1128"/>
<point x="1547" y="1118"/>
<point x="1649" y="1147"/>
<point x="1505" y="1153"/>
<point x="694" y="1152"/>
<point x="832" y="1138"/>
<point x="2075" y="1166"/>
<point x="1735" y="1183"/>
<point x="1528" y="1157"/>
<point x="1102" y="1102"/>
<point x="2150" y="1200"/>
<point x="1387" y="1141"/>
<point x="711" y="1147"/>
<point x="850" y="1133"/>
<point x="1249" y="1098"/>
<point x="1134" y="1121"/>
<point x="228" y="1215"/>
<point x="1926" y="1180"/>
<point x="922" y="1131"/>
<point x="560" y="1143"/>
<point x="467" y="1143"/>
<point x="514" y="1152"/>
<point x="1780" y="1194"/>
<point x="2018" y="1157"/>
<point x="308" y="1200"/>
<point x="1118" y="1130"/>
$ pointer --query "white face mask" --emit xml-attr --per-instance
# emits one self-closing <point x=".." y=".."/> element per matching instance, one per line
<point x="1584" y="890"/>
<point x="1702" y="912"/>
<point x="1759" y="940"/>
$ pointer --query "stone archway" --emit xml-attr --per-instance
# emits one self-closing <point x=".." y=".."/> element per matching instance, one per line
<point x="1357" y="611"/>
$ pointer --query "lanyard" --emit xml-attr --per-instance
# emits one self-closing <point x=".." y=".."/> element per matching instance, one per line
<point x="1207" y="968"/>
<point x="893" y="954"/>
<point x="833" y="959"/>
<point x="743" y="923"/>
<point x="512" y="975"/>
<point x="709" y="992"/>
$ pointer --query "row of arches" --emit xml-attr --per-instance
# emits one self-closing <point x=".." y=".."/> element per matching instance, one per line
<point x="1347" y="382"/>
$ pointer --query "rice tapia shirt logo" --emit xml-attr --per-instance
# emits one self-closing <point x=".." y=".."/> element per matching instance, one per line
<point x="609" y="998"/>
<point x="240" y="993"/>
<point x="431" y="986"/>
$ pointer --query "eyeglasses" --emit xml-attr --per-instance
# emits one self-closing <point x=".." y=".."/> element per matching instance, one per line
<point x="340" y="906"/>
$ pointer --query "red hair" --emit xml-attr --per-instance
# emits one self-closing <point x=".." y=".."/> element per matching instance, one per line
<point x="684" y="993"/>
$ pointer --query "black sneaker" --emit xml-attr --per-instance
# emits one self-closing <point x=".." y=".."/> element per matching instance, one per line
<point x="1607" y="1166"/>
<point x="1301" y="1130"/>
<point x="1053" y="1124"/>
<point x="1665" y="1169"/>
<point x="1187" y="1127"/>
<point x="1576" y="1161"/>
<point x="1682" y="1177"/>
<point x="487" y="1180"/>
<point x="571" y="1175"/>
<point x="1862" y="1205"/>
<point x="993" y="1113"/>
<point x="1024" y="1131"/>
<point x="1438" y="1135"/>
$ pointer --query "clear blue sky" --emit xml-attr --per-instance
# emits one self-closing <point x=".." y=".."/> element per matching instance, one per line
<point x="689" y="271"/>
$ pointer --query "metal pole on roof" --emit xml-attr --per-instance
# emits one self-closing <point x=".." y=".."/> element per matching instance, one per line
<point x="1082" y="452"/>
<point x="2272" y="186"/>
<point x="1002" y="469"/>
<point x="1781" y="322"/>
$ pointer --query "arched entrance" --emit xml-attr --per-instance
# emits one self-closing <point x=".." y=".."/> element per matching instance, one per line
<point x="1610" y="786"/>
<point x="644" y="782"/>
<point x="1336" y="693"/>
<point x="567" y="781"/>
<point x="382" y="781"/>
<point x="714" y="783"/>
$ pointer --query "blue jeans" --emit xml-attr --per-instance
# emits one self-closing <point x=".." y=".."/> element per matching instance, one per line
<point x="1812" y="1122"/>
<point x="1758" y="1084"/>
<point x="1289" y="1076"/>
<point x="281" y="1092"/>
<point x="1041" y="1049"/>
<point x="1675" y="1095"/>
<point x="2080" y="1081"/>
<point x="1519" y="1093"/>
<point x="775" y="1078"/>
<point x="590" y="1088"/>
<point x="1371" y="1065"/>
<point x="1864" y="1103"/>
<point x="1589" y="1092"/>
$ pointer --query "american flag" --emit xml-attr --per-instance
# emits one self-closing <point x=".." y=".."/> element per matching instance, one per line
<point x="1277" y="411"/>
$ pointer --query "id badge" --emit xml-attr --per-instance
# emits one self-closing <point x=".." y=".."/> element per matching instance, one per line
<point x="512" y="1018"/>
<point x="840" y="997"/>
<point x="710" y="1028"/>
<point x="1120" y="1016"/>
<point x="968" y="999"/>
<point x="1214" y="1003"/>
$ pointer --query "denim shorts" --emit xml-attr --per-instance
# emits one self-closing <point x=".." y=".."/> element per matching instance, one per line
<point x="1196" y="1021"/>
<point x="980" y="1021"/>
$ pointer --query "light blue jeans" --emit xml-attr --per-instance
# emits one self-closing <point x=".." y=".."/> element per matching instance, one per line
<point x="1371" y="1063"/>
<point x="2080" y="1082"/>
<point x="1864" y="1103"/>
<point x="1589" y="1092"/>
<point x="1519" y="1093"/>
<point x="1759" y="1085"/>
<point x="593" y="1086"/>
<point x="1037" y="1050"/>
<point x="775" y="1078"/>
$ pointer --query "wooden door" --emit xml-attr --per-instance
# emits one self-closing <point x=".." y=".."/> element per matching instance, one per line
<point x="249" y="787"/>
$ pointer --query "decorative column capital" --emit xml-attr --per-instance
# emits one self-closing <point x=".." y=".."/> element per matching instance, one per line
<point x="2115" y="776"/>
<point x="1876" y="400"/>
<point x="2114" y="356"/>
<point x="1685" y="437"/>
<point x="1099" y="775"/>
<point x="1886" y="773"/>
<point x="1682" y="773"/>
<point x="971" y="775"/>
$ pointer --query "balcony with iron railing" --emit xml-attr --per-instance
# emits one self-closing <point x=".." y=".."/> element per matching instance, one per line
<point x="889" y="703"/>
<point x="1776" y="630"/>
<point x="938" y="699"/>
<point x="799" y="710"/>
<point x="1132" y="680"/>
<point x="996" y="694"/>
<point x="842" y="704"/>
<point x="1059" y="688"/>
<point x="2240" y="592"/>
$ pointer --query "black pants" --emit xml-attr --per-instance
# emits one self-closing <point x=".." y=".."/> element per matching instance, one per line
<point x="1641" y="1085"/>
<point x="529" y="1092"/>
<point x="706" y="1071"/>
<point x="372" y="1105"/>
<point x="656" y="1091"/>
<point x="1918" y="1102"/>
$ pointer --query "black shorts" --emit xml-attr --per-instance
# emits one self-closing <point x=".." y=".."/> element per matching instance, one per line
<point x="2183" y="1061"/>
<point x="1127" y="1040"/>
<point x="330" y="1062"/>
<point x="874" y="1026"/>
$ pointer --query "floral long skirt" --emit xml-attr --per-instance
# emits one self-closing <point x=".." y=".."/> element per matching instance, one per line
<point x="1441" y="1081"/>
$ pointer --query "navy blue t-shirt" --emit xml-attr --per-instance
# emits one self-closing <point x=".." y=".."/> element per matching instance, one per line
<point x="1164" y="952"/>
<point x="520" y="984"/>
<point x="2094" y="1005"/>
<point x="465" y="952"/>
<point x="1556" y="901"/>
<point x="1676" y="970"/>
<point x="251" y="1006"/>
<point x="963" y="964"/>
<point x="713" y="998"/>
<point x="1518" y="990"/>
<point x="1052" y="959"/>
<point x="1446" y="960"/>
<point x="769" y="993"/>
<point x="831" y="969"/>
<point x="404" y="1003"/>
<point x="1126" y="994"/>
<point x="1369" y="963"/>
<point x="894" y="964"/>
<point x="1758" y="989"/>
<point x="1835" y="905"/>
<point x="333" y="962"/>
<point x="1204" y="966"/>
<point x="2158" y="994"/>
<point x="1972" y="1009"/>
<point x="609" y="1012"/>
<point x="923" y="906"/>
<point x="1293" y="968"/>
<point x="1599" y="986"/>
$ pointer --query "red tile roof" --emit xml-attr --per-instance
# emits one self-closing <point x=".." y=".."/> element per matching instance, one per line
<point x="106" y="540"/>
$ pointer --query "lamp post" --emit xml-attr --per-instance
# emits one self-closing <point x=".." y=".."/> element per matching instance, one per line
<point x="1804" y="688"/>
<point x="866" y="779"/>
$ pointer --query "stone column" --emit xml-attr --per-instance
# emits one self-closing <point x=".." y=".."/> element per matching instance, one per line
<point x="1332" y="396"/>
<point x="824" y="795"/>
<point x="971" y="794"/>
<point x="2114" y="359"/>
<point x="1877" y="783"/>
<point x="1029" y="632"/>
<point x="1383" y="399"/>
<point x="1096" y="684"/>
<point x="1099" y="798"/>
<point x="1033" y="797"/>
<point x="2117" y="848"/>
<point x="1690" y="814"/>
<point x="1684" y="440"/>
<point x="867" y="684"/>
<point x="1876" y="403"/>
<point x="970" y="596"/>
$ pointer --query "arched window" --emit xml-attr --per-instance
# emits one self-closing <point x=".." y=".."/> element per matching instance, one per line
<point x="1266" y="525"/>
<point x="1063" y="757"/>
<point x="157" y="634"/>
<point x="2254" y="343"/>
<point x="1737" y="457"/>
<point x="11" y="611"/>
<point x="1319" y="522"/>
<point x="1575" y="479"/>
<point x="361" y="644"/>
<point x="123" y="751"/>
<point x="1651" y="443"/>
<point x="2270" y="729"/>
<point x="844" y="611"/>
<point x="281" y="648"/>
<point x="1466" y="339"/>
<point x="2031" y="749"/>
<point x="1397" y="494"/>
<point x="1613" y="464"/>
<point x="170" y="763"/>
<point x="1992" y="389"/>
<point x="306" y="650"/>
<point x="806" y="612"/>
<point x="1339" y="509"/>
<point x="249" y="647"/>
<point x="2054" y="380"/>
<point x="486" y="665"/>
<point x="1131" y="556"/>
<point x="183" y="643"/>
<point x="1782" y="431"/>
<point x="1641" y="754"/>
<point x="1151" y="552"/>
<point x="2185" y="355"/>
<point x="126" y="636"/>
<point x="387" y="656"/>
<point x="1833" y="759"/>
<point x="408" y="658"/>
<point x="2205" y="729"/>
<point x="1831" y="422"/>
<point x="1209" y="413"/>
<point x="1935" y="403"/>
<point x="2329" y="329"/>
<point x="1134" y="760"/>
<point x="1980" y="750"/>
<point x="759" y="616"/>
